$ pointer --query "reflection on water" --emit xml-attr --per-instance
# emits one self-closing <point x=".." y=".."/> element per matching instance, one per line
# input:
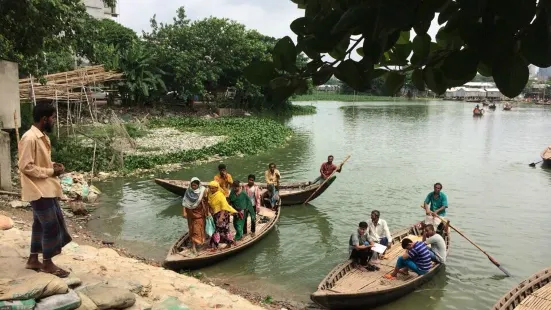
<point x="398" y="151"/>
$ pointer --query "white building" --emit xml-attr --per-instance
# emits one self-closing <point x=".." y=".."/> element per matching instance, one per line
<point x="480" y="85"/>
<point x="99" y="10"/>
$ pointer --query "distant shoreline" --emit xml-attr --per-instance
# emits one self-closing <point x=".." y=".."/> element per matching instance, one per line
<point x="351" y="98"/>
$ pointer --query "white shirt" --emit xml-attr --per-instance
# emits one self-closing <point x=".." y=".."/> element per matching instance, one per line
<point x="379" y="231"/>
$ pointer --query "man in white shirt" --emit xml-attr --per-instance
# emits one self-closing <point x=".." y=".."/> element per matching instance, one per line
<point x="437" y="244"/>
<point x="378" y="230"/>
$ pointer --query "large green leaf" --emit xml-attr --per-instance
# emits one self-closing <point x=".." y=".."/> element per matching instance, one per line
<point x="535" y="46"/>
<point x="298" y="26"/>
<point x="285" y="55"/>
<point x="394" y="82"/>
<point x="417" y="79"/>
<point x="260" y="72"/>
<point x="280" y="82"/>
<point x="339" y="52"/>
<point x="460" y="66"/>
<point x="435" y="80"/>
<point x="404" y="37"/>
<point x="350" y="73"/>
<point x="351" y="18"/>
<point x="511" y="75"/>
<point x="421" y="45"/>
<point x="323" y="75"/>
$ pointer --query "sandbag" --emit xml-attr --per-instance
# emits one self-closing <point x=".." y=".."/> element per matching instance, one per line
<point x="5" y="222"/>
<point x="37" y="286"/>
<point x="109" y="297"/>
<point x="67" y="301"/>
<point x="18" y="304"/>
<point x="86" y="303"/>
<point x="171" y="303"/>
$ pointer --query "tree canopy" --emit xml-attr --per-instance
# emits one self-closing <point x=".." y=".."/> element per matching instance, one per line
<point x="496" y="38"/>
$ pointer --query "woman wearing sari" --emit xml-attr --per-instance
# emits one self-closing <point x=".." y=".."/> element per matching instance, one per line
<point x="221" y="211"/>
<point x="196" y="211"/>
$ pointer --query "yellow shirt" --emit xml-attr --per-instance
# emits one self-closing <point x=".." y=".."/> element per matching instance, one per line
<point x="36" y="167"/>
<point x="272" y="178"/>
<point x="225" y="184"/>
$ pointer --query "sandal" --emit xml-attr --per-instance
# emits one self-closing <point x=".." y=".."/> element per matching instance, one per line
<point x="389" y="276"/>
<point x="60" y="273"/>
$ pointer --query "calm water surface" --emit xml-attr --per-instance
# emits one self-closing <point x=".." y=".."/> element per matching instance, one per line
<point x="399" y="149"/>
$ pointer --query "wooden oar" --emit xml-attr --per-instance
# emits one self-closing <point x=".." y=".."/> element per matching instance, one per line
<point x="495" y="262"/>
<point x="534" y="164"/>
<point x="339" y="167"/>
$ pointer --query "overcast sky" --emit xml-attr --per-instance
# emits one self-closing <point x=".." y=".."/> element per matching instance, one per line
<point x="269" y="17"/>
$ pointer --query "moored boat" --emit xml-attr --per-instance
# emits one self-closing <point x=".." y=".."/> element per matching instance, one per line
<point x="346" y="287"/>
<point x="290" y="193"/>
<point x="532" y="293"/>
<point x="180" y="257"/>
<point x="507" y="107"/>
<point x="492" y="106"/>
<point x="478" y="112"/>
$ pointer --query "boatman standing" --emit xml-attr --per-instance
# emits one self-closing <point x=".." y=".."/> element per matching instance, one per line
<point x="327" y="169"/>
<point x="436" y="203"/>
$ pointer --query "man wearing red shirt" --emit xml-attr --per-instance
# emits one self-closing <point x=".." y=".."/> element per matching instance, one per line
<point x="327" y="169"/>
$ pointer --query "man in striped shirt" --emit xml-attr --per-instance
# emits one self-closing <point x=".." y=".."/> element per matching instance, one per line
<point x="416" y="258"/>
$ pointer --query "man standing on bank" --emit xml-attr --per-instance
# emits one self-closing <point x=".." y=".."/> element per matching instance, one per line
<point x="40" y="186"/>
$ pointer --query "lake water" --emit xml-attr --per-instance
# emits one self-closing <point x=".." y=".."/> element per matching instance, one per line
<point x="399" y="150"/>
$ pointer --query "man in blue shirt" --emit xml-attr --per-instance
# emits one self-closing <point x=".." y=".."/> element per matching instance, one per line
<point x="438" y="202"/>
<point x="416" y="258"/>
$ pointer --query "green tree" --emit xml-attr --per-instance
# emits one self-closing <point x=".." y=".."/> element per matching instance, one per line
<point x="494" y="38"/>
<point x="40" y="33"/>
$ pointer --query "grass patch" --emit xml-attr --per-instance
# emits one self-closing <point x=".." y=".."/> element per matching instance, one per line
<point x="268" y="300"/>
<point x="247" y="136"/>
<point x="303" y="109"/>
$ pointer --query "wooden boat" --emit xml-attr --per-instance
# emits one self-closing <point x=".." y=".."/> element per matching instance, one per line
<point x="531" y="294"/>
<point x="346" y="287"/>
<point x="290" y="193"/>
<point x="478" y="112"/>
<point x="492" y="106"/>
<point x="180" y="257"/>
<point x="507" y="107"/>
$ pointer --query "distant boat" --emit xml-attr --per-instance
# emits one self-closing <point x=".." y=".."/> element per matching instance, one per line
<point x="477" y="112"/>
<point x="492" y="106"/>
<point x="546" y="156"/>
<point x="507" y="107"/>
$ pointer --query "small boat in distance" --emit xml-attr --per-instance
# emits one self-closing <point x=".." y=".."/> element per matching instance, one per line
<point x="507" y="107"/>
<point x="180" y="257"/>
<point x="478" y="112"/>
<point x="546" y="157"/>
<point x="290" y="193"/>
<point x="532" y="293"/>
<point x="346" y="287"/>
<point x="492" y="106"/>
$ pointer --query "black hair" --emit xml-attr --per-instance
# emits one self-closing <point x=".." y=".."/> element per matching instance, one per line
<point x="377" y="213"/>
<point x="271" y="165"/>
<point x="363" y="225"/>
<point x="405" y="243"/>
<point x="42" y="110"/>
<point x="236" y="183"/>
<point x="330" y="156"/>
<point x="251" y="176"/>
<point x="438" y="184"/>
<point x="430" y="226"/>
<point x="196" y="182"/>
<point x="221" y="166"/>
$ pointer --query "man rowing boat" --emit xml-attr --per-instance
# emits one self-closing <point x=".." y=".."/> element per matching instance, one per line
<point x="327" y="169"/>
<point x="438" y="202"/>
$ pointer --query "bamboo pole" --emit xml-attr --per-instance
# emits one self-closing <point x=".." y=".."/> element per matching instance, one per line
<point x="57" y="113"/>
<point x="16" y="126"/>
<point x="93" y="163"/>
<point x="32" y="89"/>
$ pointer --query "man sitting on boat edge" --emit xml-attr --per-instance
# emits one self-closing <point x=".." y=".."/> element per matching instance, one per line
<point x="437" y="244"/>
<point x="416" y="258"/>
<point x="359" y="247"/>
<point x="272" y="175"/>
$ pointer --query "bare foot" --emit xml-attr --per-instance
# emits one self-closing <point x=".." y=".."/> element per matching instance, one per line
<point x="49" y="267"/>
<point x="33" y="263"/>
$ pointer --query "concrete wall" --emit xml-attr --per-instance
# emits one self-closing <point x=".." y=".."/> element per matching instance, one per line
<point x="5" y="162"/>
<point x="97" y="9"/>
<point x="9" y="95"/>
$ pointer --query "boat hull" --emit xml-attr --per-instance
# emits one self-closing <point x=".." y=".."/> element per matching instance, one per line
<point x="174" y="262"/>
<point x="371" y="299"/>
<point x="289" y="196"/>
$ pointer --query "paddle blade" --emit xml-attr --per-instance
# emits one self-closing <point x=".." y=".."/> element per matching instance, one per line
<point x="504" y="271"/>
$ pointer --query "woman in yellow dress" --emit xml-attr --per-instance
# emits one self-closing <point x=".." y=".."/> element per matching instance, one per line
<point x="221" y="211"/>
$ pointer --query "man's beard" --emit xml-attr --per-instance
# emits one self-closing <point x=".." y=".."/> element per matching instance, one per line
<point x="48" y="127"/>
